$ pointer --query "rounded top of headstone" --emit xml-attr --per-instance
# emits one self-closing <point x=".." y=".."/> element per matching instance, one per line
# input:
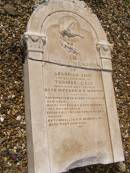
<point x="45" y="10"/>
<point x="67" y="28"/>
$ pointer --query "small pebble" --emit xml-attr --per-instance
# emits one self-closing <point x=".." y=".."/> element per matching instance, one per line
<point x="18" y="118"/>
<point x="2" y="119"/>
<point x="122" y="167"/>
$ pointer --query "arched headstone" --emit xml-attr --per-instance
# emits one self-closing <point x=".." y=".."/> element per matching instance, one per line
<point x="70" y="105"/>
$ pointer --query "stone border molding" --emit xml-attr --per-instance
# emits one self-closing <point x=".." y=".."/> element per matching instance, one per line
<point x="105" y="49"/>
<point x="35" y="42"/>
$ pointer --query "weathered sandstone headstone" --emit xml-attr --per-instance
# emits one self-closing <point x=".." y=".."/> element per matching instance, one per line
<point x="70" y="105"/>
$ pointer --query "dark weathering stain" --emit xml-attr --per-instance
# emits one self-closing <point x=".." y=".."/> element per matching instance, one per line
<point x="68" y="150"/>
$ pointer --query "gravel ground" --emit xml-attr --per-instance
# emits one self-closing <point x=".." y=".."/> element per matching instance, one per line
<point x="14" y="14"/>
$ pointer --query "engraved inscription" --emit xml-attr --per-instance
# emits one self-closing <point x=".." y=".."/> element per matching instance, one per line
<point x="73" y="98"/>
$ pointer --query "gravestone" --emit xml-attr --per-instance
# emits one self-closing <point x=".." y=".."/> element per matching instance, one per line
<point x="70" y="105"/>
